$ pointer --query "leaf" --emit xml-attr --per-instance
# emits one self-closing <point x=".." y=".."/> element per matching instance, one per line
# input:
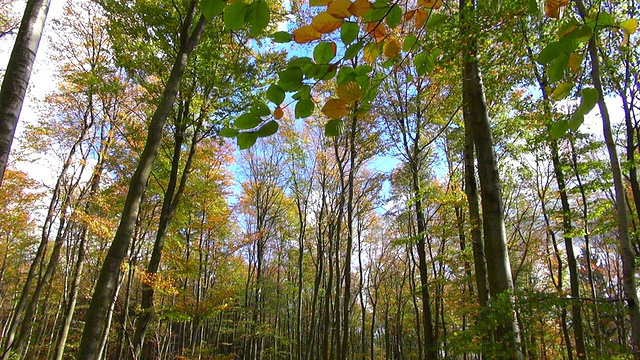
<point x="394" y="16"/>
<point x="353" y="50"/>
<point x="629" y="26"/>
<point x="228" y="132"/>
<point x="371" y="52"/>
<point x="549" y="53"/>
<point x="319" y="2"/>
<point x="349" y="92"/>
<point x="258" y="16"/>
<point x="349" y="32"/>
<point x="360" y="7"/>
<point x="430" y="4"/>
<point x="324" y="52"/>
<point x="605" y="19"/>
<point x="278" y="113"/>
<point x="304" y="108"/>
<point x="339" y="8"/>
<point x="305" y="34"/>
<point x="558" y="129"/>
<point x="557" y="68"/>
<point x="290" y="79"/>
<point x="575" y="60"/>
<point x="409" y="42"/>
<point x="391" y="48"/>
<point x="212" y="8"/>
<point x="234" y="15"/>
<point x="589" y="100"/>
<point x="246" y="140"/>
<point x="335" y="109"/>
<point x="562" y="91"/>
<point x="247" y="121"/>
<point x="333" y="128"/>
<point x="260" y="109"/>
<point x="281" y="37"/>
<point x="377" y="31"/>
<point x="275" y="94"/>
<point x="376" y="13"/>
<point x="268" y="129"/>
<point x="435" y="20"/>
<point x="421" y="16"/>
<point x="421" y="63"/>
<point x="567" y="28"/>
<point x="325" y="23"/>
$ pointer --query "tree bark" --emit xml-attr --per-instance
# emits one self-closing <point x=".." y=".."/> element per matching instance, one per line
<point x="105" y="291"/>
<point x="16" y="77"/>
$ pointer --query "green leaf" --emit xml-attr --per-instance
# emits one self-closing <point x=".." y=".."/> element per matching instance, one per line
<point x="557" y="69"/>
<point x="562" y="91"/>
<point x="260" y="109"/>
<point x="549" y="53"/>
<point x="421" y="63"/>
<point x="212" y="8"/>
<point x="333" y="128"/>
<point x="290" y="79"/>
<point x="275" y="94"/>
<point x="575" y="121"/>
<point x="304" y="93"/>
<point x="304" y="108"/>
<point x="258" y="16"/>
<point x="409" y="42"/>
<point x="247" y="121"/>
<point x="353" y="50"/>
<point x="268" y="129"/>
<point x="281" y="37"/>
<point x="558" y="129"/>
<point x="605" y="19"/>
<point x="629" y="26"/>
<point x="394" y="16"/>
<point x="324" y="52"/>
<point x="346" y="73"/>
<point x="300" y="62"/>
<point x="376" y="14"/>
<point x="228" y="132"/>
<point x="589" y="100"/>
<point x="234" y="15"/>
<point x="435" y="20"/>
<point x="349" y="32"/>
<point x="246" y="140"/>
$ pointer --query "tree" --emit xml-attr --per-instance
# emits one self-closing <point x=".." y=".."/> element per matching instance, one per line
<point x="16" y="77"/>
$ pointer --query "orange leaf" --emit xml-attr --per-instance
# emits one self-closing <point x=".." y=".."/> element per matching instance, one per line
<point x="391" y="48"/>
<point x="430" y="4"/>
<point x="376" y="30"/>
<point x="575" y="60"/>
<point x="360" y="7"/>
<point x="349" y="92"/>
<point x="326" y="23"/>
<point x="335" y="109"/>
<point x="422" y="16"/>
<point x="339" y="8"/>
<point x="278" y="113"/>
<point x="409" y="15"/>
<point x="306" y="34"/>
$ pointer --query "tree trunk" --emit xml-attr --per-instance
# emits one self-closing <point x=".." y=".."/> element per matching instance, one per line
<point x="16" y="77"/>
<point x="106" y="285"/>
<point x="498" y="265"/>
<point x="626" y="248"/>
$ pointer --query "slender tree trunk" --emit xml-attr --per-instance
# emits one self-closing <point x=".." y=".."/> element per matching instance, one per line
<point x="498" y="265"/>
<point x="626" y="248"/>
<point x="105" y="290"/>
<point x="16" y="77"/>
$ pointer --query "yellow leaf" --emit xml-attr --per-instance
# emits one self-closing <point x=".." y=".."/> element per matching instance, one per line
<point x="325" y="23"/>
<point x="376" y="30"/>
<point x="319" y="2"/>
<point x="339" y="8"/>
<point x="335" y="109"/>
<point x="306" y="34"/>
<point x="575" y="60"/>
<point x="371" y="52"/>
<point x="629" y="26"/>
<point x="422" y="16"/>
<point x="349" y="92"/>
<point x="430" y="4"/>
<point x="391" y="48"/>
<point x="360" y="7"/>
<point x="278" y="113"/>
